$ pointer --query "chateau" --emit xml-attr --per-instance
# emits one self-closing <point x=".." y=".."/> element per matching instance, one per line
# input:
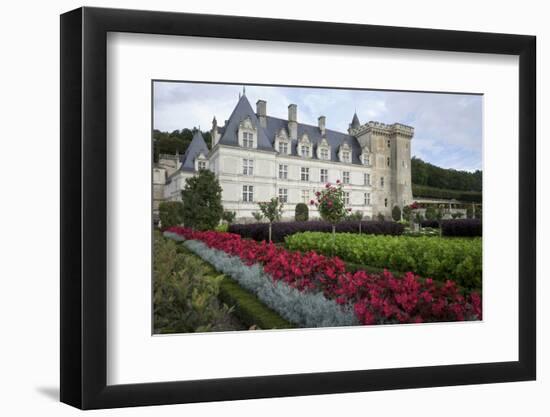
<point x="257" y="157"/>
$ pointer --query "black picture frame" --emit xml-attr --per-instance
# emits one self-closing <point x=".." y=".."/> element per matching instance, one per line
<point x="84" y="207"/>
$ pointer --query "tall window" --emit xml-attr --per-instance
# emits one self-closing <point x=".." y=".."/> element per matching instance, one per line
<point x="388" y="161"/>
<point x="385" y="202"/>
<point x="202" y="164"/>
<point x="248" y="140"/>
<point x="366" y="179"/>
<point x="283" y="147"/>
<point x="324" y="153"/>
<point x="304" y="174"/>
<point x="283" y="172"/>
<point x="345" y="156"/>
<point x="283" y="195"/>
<point x="366" y="199"/>
<point x="248" y="193"/>
<point x="381" y="181"/>
<point x="324" y="175"/>
<point x="248" y="167"/>
<point x="346" y="198"/>
<point x="304" y="151"/>
<point x="345" y="177"/>
<point x="305" y="196"/>
<point x="389" y="144"/>
<point x="366" y="159"/>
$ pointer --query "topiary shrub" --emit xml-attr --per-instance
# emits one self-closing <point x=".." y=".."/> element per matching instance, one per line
<point x="229" y="216"/>
<point x="170" y="213"/>
<point x="301" y="212"/>
<point x="202" y="201"/>
<point x="396" y="213"/>
<point x="431" y="213"/>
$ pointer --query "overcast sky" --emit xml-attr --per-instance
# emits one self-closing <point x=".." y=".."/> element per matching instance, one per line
<point x="448" y="127"/>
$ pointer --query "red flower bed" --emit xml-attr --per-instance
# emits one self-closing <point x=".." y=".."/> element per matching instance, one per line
<point x="377" y="298"/>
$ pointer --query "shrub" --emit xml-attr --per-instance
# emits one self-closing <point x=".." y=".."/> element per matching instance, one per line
<point x="462" y="227"/>
<point x="170" y="213"/>
<point x="260" y="231"/>
<point x="380" y="217"/>
<point x="431" y="213"/>
<point x="396" y="213"/>
<point x="430" y="223"/>
<point x="407" y="213"/>
<point x="457" y="259"/>
<point x="301" y="212"/>
<point x="202" y="201"/>
<point x="184" y="292"/>
<point x="229" y="216"/>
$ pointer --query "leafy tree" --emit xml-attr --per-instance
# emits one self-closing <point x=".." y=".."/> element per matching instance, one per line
<point x="358" y="216"/>
<point x="431" y="213"/>
<point x="175" y="142"/>
<point x="170" y="213"/>
<point x="272" y="210"/>
<point x="229" y="216"/>
<point x="407" y="213"/>
<point x="301" y="212"/>
<point x="257" y="216"/>
<point x="202" y="201"/>
<point x="424" y="173"/>
<point x="396" y="213"/>
<point x="380" y="217"/>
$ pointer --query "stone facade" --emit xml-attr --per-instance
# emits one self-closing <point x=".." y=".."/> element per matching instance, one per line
<point x="257" y="157"/>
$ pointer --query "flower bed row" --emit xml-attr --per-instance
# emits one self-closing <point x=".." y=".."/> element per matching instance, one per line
<point x="259" y="231"/>
<point x="458" y="259"/>
<point x="373" y="298"/>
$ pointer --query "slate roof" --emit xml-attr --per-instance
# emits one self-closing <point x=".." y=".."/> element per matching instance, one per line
<point x="196" y="146"/>
<point x="266" y="136"/>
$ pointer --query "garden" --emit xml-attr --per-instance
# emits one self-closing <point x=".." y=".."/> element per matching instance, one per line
<point x="336" y="271"/>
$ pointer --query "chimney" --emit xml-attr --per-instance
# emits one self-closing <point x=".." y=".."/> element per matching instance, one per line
<point x="322" y="122"/>
<point x="293" y="121"/>
<point x="261" y="112"/>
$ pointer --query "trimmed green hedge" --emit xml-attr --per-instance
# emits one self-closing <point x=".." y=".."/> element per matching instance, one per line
<point x="458" y="259"/>
<point x="246" y="306"/>
<point x="424" y="191"/>
<point x="248" y="309"/>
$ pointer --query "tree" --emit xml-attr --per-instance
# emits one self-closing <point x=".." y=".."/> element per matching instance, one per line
<point x="330" y="202"/>
<point x="170" y="213"/>
<point x="229" y="216"/>
<point x="272" y="210"/>
<point x="396" y="213"/>
<point x="202" y="201"/>
<point x="431" y="213"/>
<point x="407" y="213"/>
<point x="301" y="212"/>
<point x="358" y="216"/>
<point x="257" y="216"/>
<point x="380" y="217"/>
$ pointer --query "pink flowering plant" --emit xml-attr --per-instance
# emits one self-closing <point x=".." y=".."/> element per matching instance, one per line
<point x="330" y="203"/>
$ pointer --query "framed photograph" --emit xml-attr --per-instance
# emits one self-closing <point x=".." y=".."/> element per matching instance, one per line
<point x="257" y="208"/>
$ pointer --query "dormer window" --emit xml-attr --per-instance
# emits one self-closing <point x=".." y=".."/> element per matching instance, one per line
<point x="323" y="150"/>
<point x="201" y="162"/>
<point x="304" y="147"/>
<point x="247" y="134"/>
<point x="282" y="142"/>
<point x="345" y="153"/>
<point x="248" y="140"/>
<point x="202" y="165"/>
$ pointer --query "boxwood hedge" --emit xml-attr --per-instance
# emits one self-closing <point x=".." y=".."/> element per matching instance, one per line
<point x="259" y="231"/>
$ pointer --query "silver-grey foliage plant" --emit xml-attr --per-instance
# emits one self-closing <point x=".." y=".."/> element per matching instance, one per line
<point x="306" y="309"/>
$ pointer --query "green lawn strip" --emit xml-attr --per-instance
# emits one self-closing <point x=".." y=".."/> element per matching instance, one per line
<point x="247" y="307"/>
